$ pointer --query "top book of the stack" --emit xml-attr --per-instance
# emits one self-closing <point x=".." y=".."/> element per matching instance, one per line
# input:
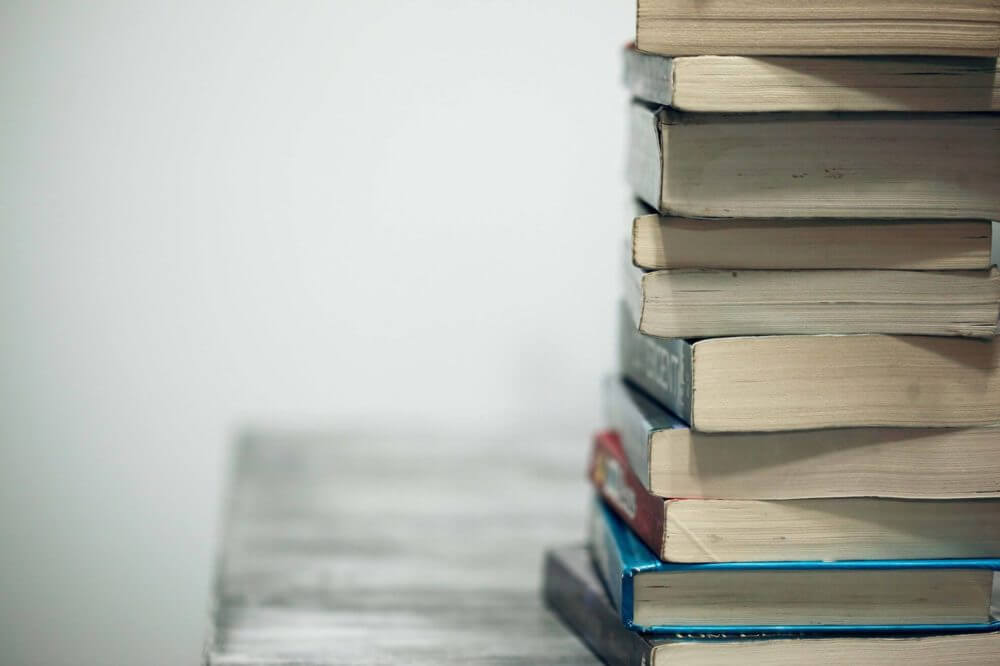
<point x="819" y="27"/>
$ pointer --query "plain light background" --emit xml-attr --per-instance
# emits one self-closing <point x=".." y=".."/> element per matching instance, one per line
<point x="212" y="214"/>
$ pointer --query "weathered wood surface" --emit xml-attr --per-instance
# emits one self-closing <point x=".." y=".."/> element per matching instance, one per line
<point x="341" y="549"/>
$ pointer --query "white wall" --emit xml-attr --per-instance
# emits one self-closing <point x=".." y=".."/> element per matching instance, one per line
<point x="285" y="212"/>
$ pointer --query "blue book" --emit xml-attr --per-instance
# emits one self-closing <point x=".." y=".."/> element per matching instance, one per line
<point x="842" y="597"/>
<point x="572" y="589"/>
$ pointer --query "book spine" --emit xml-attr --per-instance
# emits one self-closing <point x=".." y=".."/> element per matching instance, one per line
<point x="584" y="608"/>
<point x="608" y="561"/>
<point x="614" y="479"/>
<point x="624" y="418"/>
<point x="649" y="77"/>
<point x="644" y="165"/>
<point x="659" y="366"/>
<point x="994" y="243"/>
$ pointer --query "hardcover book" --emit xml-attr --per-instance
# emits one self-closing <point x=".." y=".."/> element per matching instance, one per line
<point x="852" y="528"/>
<point x="843" y="597"/>
<point x="737" y="83"/>
<point x="573" y="591"/>
<point x="819" y="27"/>
<point x="833" y="165"/>
<point x="796" y="382"/>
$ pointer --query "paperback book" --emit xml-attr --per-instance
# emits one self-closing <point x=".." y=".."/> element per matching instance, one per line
<point x="797" y="382"/>
<point x="827" y="165"/>
<point x="751" y="530"/>
<point x="671" y="459"/>
<point x="573" y="591"/>
<point x="659" y="242"/>
<point x="819" y="27"/>
<point x="842" y="597"/>
<point x="741" y="83"/>
<point x="704" y="302"/>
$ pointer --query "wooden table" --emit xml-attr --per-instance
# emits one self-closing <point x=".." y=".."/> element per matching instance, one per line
<point x="354" y="549"/>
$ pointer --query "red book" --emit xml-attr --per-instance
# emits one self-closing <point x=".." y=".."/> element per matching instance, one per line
<point x="847" y="528"/>
<point x="621" y="489"/>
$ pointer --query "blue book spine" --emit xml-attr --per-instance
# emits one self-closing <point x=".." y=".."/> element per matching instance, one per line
<point x="635" y="417"/>
<point x="619" y="556"/>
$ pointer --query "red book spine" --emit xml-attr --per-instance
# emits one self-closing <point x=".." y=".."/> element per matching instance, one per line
<point x="621" y="489"/>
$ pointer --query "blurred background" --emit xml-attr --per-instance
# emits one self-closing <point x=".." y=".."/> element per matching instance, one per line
<point x="370" y="214"/>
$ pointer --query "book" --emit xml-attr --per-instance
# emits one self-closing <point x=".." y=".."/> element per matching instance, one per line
<point x="573" y="591"/>
<point x="706" y="302"/>
<point x="851" y="528"/>
<point x="868" y="165"/>
<point x="797" y="382"/>
<point x="671" y="459"/>
<point x="738" y="83"/>
<point x="818" y="27"/>
<point x="858" y="596"/>
<point x="665" y="242"/>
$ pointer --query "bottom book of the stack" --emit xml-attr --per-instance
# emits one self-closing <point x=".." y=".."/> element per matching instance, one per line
<point x="573" y="590"/>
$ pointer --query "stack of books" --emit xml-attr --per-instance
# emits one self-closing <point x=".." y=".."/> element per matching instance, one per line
<point x="802" y="456"/>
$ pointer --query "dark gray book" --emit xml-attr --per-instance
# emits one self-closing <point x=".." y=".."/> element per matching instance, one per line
<point x="571" y="589"/>
<point x="738" y="83"/>
<point x="673" y="460"/>
<point x="659" y="366"/>
<point x="818" y="165"/>
<point x="796" y="382"/>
